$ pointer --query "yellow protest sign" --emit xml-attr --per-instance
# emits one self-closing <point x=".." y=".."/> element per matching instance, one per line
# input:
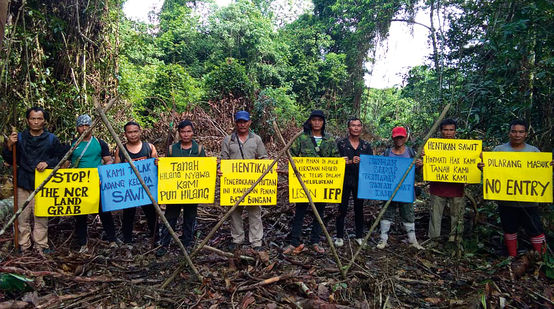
<point x="186" y="180"/>
<point x="517" y="176"/>
<point x="323" y="178"/>
<point x="239" y="175"/>
<point x="452" y="160"/>
<point x="69" y="192"/>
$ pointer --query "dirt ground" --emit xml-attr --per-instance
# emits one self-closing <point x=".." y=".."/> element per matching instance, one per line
<point x="472" y="275"/>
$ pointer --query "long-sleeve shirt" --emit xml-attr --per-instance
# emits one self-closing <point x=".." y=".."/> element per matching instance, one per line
<point x="30" y="151"/>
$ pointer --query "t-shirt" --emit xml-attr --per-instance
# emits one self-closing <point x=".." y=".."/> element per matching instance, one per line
<point x="346" y="150"/>
<point x="95" y="149"/>
<point x="405" y="154"/>
<point x="318" y="140"/>
<point x="508" y="148"/>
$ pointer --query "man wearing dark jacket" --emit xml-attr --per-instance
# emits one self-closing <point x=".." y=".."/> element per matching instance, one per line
<point x="351" y="148"/>
<point x="315" y="142"/>
<point x="36" y="149"/>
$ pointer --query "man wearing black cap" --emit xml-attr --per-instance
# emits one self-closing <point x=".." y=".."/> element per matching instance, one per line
<point x="244" y="144"/>
<point x="313" y="143"/>
<point x="185" y="147"/>
<point x="37" y="149"/>
<point x="90" y="153"/>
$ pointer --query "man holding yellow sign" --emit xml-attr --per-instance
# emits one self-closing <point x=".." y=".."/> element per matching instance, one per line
<point x="243" y="144"/>
<point x="444" y="188"/>
<point x="520" y="191"/>
<point x="185" y="147"/>
<point x="313" y="143"/>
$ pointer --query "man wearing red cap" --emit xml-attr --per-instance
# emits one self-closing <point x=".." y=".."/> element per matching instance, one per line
<point x="406" y="210"/>
<point x="443" y="193"/>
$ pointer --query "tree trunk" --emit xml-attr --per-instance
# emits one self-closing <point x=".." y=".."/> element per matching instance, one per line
<point x="3" y="19"/>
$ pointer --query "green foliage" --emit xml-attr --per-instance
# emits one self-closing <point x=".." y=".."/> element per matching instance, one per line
<point x="55" y="64"/>
<point x="383" y="109"/>
<point x="14" y="283"/>
<point x="228" y="78"/>
<point x="276" y="104"/>
<point x="498" y="66"/>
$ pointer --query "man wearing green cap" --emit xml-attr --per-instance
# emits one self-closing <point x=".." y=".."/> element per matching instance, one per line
<point x="90" y="153"/>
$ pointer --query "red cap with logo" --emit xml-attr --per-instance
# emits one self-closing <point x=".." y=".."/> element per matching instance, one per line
<point x="399" y="131"/>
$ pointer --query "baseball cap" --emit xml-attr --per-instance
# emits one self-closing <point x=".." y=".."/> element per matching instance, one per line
<point x="242" y="115"/>
<point x="399" y="131"/>
<point x="84" y="120"/>
<point x="317" y="113"/>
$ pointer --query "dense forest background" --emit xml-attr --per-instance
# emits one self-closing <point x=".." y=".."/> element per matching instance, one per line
<point x="492" y="60"/>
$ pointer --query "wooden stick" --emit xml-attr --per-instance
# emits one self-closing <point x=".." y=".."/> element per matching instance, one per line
<point x="56" y="168"/>
<point x="147" y="190"/>
<point x="378" y="219"/>
<point x="218" y="225"/>
<point x="228" y="254"/>
<point x="314" y="209"/>
<point x="267" y="281"/>
<point x="15" y="193"/>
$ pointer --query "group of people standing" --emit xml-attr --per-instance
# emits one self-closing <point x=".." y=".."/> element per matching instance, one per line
<point x="36" y="148"/>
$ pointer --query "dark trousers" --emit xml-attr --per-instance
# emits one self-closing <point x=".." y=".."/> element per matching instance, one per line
<point x="298" y="221"/>
<point x="514" y="217"/>
<point x="172" y="213"/>
<point x="358" y="211"/>
<point x="107" y="223"/>
<point x="129" y="220"/>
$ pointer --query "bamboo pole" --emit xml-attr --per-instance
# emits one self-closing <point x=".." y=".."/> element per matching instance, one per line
<point x="378" y="219"/>
<point x="314" y="209"/>
<point x="15" y="193"/>
<point x="220" y="223"/>
<point x="56" y="168"/>
<point x="147" y="190"/>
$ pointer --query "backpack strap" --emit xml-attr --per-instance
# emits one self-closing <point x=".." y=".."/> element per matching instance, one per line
<point x="411" y="152"/>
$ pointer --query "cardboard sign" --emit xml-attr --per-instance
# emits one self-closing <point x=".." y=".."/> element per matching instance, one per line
<point x="120" y="187"/>
<point x="69" y="192"/>
<point x="379" y="176"/>
<point x="323" y="177"/>
<point x="187" y="180"/>
<point x="452" y="160"/>
<point x="239" y="175"/>
<point x="517" y="176"/>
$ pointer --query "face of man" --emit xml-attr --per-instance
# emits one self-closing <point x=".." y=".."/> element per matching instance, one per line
<point x="243" y="126"/>
<point x="399" y="141"/>
<point x="132" y="133"/>
<point x="316" y="123"/>
<point x="517" y="135"/>
<point x="36" y="121"/>
<point x="355" y="128"/>
<point x="448" y="131"/>
<point x="185" y="134"/>
<point x="83" y="128"/>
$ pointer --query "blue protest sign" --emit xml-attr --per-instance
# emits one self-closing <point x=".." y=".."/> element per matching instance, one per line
<point x="120" y="187"/>
<point x="379" y="176"/>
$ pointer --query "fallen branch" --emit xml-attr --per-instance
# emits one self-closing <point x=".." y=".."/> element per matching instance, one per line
<point x="228" y="254"/>
<point x="267" y="281"/>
